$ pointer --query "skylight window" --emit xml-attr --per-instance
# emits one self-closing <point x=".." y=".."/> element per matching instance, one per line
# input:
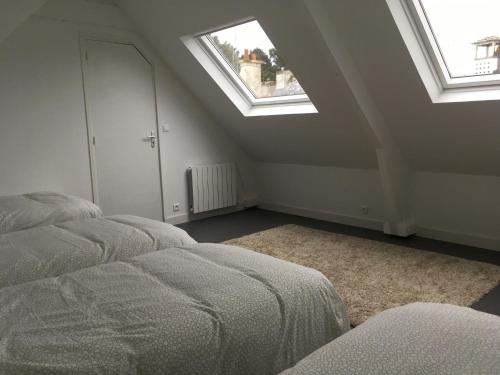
<point x="247" y="66"/>
<point x="455" y="45"/>
<point x="467" y="33"/>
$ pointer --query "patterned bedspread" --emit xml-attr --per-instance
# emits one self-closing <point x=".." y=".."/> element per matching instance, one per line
<point x="52" y="250"/>
<point x="421" y="338"/>
<point x="19" y="212"/>
<point x="197" y="309"/>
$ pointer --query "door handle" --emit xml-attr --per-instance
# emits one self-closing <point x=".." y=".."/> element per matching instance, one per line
<point x="152" y="139"/>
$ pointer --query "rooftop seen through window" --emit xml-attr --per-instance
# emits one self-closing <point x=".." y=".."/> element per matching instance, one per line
<point x="253" y="57"/>
<point x="467" y="33"/>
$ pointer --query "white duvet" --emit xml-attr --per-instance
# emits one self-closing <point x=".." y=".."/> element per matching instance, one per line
<point x="197" y="309"/>
<point x="52" y="250"/>
<point x="19" y="212"/>
<point x="420" y="338"/>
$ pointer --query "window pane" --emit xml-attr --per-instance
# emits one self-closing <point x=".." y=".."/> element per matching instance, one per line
<point x="253" y="57"/>
<point x="468" y="34"/>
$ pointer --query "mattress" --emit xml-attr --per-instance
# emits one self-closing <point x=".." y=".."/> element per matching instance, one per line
<point x="421" y="338"/>
<point x="198" y="309"/>
<point x="52" y="250"/>
<point x="43" y="208"/>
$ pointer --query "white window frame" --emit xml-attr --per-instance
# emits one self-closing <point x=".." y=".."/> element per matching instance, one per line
<point x="419" y="38"/>
<point x="233" y="86"/>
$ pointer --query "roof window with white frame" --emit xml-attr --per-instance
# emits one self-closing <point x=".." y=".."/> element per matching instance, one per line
<point x="459" y="41"/>
<point x="248" y="68"/>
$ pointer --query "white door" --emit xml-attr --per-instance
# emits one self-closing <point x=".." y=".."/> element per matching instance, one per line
<point x="121" y="110"/>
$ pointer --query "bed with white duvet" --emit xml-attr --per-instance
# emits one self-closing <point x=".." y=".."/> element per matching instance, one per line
<point x="196" y="309"/>
<point x="420" y="338"/>
<point x="24" y="211"/>
<point x="52" y="250"/>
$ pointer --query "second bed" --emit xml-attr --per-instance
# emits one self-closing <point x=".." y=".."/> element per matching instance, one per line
<point x="52" y="250"/>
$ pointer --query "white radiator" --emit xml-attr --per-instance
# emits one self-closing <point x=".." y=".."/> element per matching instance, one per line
<point x="212" y="187"/>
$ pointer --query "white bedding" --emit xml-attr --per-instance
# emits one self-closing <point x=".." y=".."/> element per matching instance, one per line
<point x="199" y="309"/>
<point x="421" y="338"/>
<point x="19" y="212"/>
<point x="52" y="250"/>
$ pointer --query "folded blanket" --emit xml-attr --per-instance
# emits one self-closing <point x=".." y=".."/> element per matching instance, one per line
<point x="19" y="212"/>
<point x="52" y="250"/>
<point x="199" y="309"/>
<point x="421" y="338"/>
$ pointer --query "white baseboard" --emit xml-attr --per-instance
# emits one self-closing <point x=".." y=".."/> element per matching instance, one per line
<point x="177" y="219"/>
<point x="185" y="217"/>
<point x="436" y="234"/>
<point x="460" y="238"/>
<point x="404" y="228"/>
<point x="325" y="215"/>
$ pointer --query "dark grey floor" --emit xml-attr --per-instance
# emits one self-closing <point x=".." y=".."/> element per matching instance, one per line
<point x="222" y="228"/>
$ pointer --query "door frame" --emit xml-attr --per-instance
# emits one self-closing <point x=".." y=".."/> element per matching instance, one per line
<point x="84" y="38"/>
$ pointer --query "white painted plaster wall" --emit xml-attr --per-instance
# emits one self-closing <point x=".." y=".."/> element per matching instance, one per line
<point x="329" y="193"/>
<point x="14" y="12"/>
<point x="463" y="209"/>
<point x="458" y="208"/>
<point x="43" y="141"/>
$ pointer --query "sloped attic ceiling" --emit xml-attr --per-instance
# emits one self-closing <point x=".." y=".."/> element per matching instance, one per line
<point x="335" y="136"/>
<point x="460" y="138"/>
<point x="447" y="137"/>
<point x="13" y="13"/>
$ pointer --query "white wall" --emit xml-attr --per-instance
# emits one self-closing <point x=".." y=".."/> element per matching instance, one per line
<point x="42" y="120"/>
<point x="450" y="207"/>
<point x="326" y="193"/>
<point x="14" y="12"/>
<point x="43" y="141"/>
<point x="193" y="138"/>
<point x="458" y="208"/>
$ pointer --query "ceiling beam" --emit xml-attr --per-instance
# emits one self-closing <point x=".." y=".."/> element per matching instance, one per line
<point x="13" y="13"/>
<point x="394" y="170"/>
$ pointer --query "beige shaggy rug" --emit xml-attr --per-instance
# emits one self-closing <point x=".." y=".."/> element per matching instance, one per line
<point x="371" y="276"/>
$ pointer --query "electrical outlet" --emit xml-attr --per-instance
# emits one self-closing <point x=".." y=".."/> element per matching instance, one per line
<point x="364" y="210"/>
<point x="177" y="207"/>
